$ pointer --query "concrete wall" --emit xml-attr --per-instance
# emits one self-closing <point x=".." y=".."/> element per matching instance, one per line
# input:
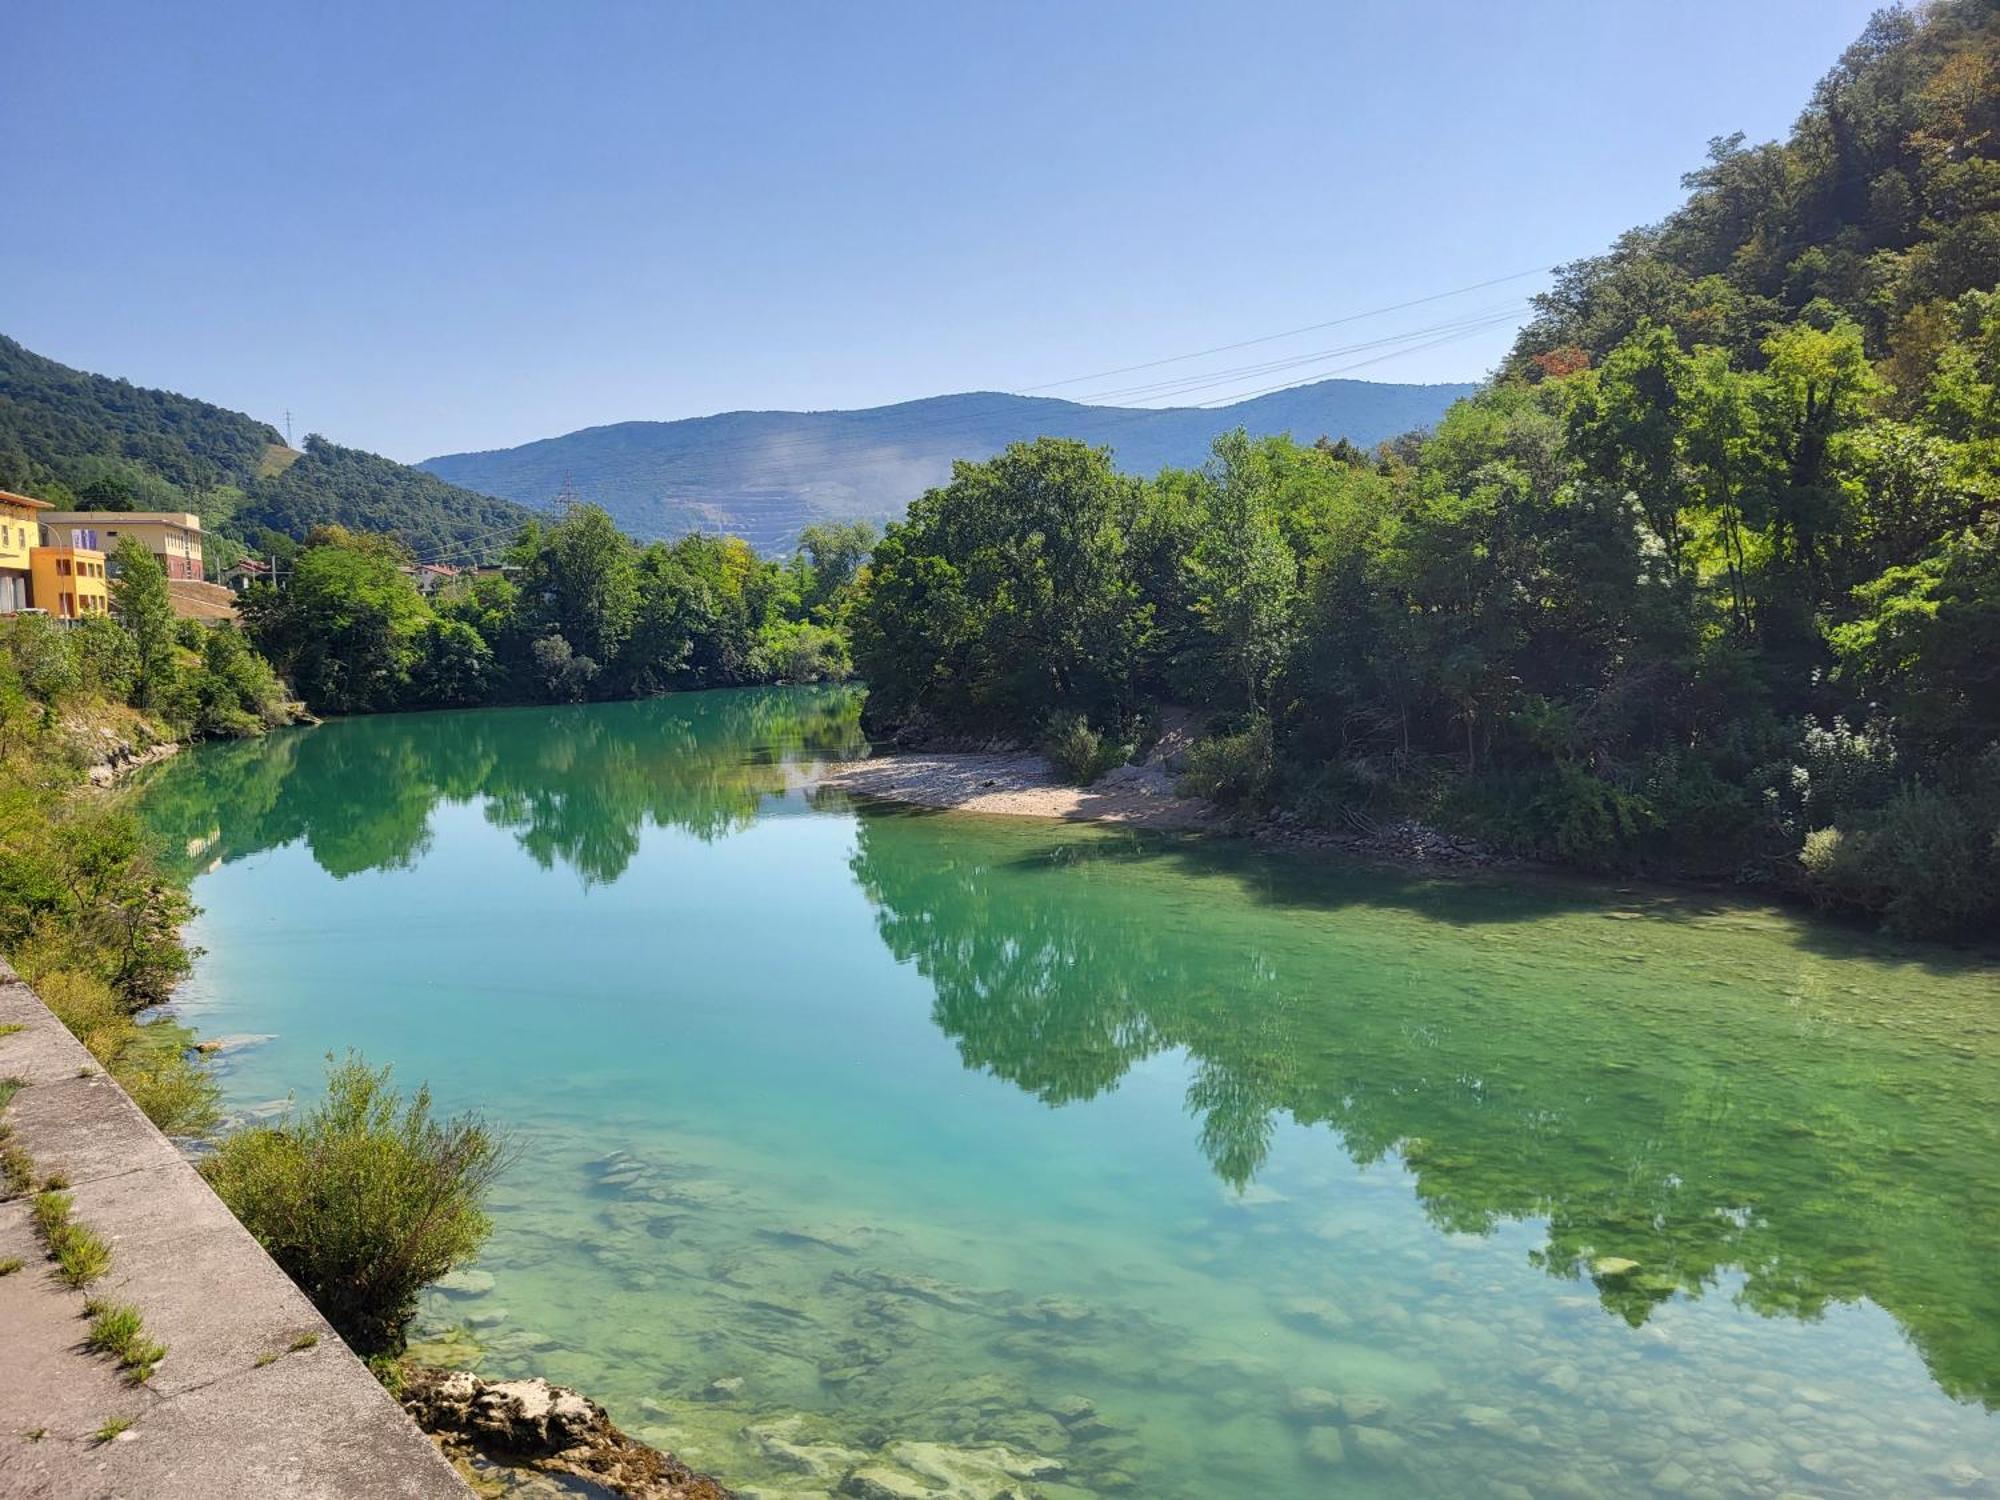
<point x="212" y="1422"/>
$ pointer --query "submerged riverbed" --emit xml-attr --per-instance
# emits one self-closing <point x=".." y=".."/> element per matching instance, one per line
<point x="1168" y="1168"/>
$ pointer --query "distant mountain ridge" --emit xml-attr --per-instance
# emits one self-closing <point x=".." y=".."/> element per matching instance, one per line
<point x="764" y="474"/>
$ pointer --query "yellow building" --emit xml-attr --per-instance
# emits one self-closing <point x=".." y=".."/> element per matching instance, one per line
<point x="20" y="531"/>
<point x="69" y="582"/>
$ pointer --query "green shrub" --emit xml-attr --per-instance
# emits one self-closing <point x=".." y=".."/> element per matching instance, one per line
<point x="1706" y="824"/>
<point x="1337" y="794"/>
<point x="1589" y="821"/>
<point x="1927" y="864"/>
<point x="78" y="892"/>
<point x="150" y="1061"/>
<point x="107" y="659"/>
<point x="1557" y="811"/>
<point x="41" y="652"/>
<point x="226" y="690"/>
<point x="364" y="1199"/>
<point x="1232" y="770"/>
<point x="800" y="651"/>
<point x="1079" y="753"/>
<point x="173" y="1090"/>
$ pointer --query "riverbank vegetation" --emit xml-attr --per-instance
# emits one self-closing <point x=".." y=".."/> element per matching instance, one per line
<point x="364" y="1199"/>
<point x="1707" y="582"/>
<point x="86" y="914"/>
<point x="577" y="612"/>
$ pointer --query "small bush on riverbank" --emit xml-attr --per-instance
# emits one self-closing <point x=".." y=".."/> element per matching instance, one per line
<point x="1232" y="770"/>
<point x="364" y="1199"/>
<point x="1078" y="752"/>
<point x="1929" y="861"/>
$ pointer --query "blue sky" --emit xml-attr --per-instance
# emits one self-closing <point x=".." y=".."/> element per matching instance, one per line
<point x="428" y="227"/>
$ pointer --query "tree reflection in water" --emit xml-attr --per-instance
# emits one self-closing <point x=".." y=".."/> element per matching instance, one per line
<point x="1710" y="1089"/>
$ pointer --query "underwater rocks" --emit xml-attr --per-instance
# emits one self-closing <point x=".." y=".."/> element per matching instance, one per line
<point x="465" y="1284"/>
<point x="1310" y="1404"/>
<point x="786" y="1442"/>
<point x="1325" y="1448"/>
<point x="906" y="1469"/>
<point x="1315" y="1315"/>
<point x="920" y="1288"/>
<point x="549" y="1429"/>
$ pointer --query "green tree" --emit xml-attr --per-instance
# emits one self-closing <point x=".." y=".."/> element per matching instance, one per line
<point x="347" y="627"/>
<point x="580" y="579"/>
<point x="454" y="666"/>
<point x="139" y="592"/>
<point x="1243" y="579"/>
<point x="1013" y="584"/>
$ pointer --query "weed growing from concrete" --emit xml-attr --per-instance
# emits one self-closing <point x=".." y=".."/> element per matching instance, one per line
<point x="112" y="1428"/>
<point x="10" y="1265"/>
<point x="117" y="1329"/>
<point x="17" y="1170"/>
<point x="80" y="1256"/>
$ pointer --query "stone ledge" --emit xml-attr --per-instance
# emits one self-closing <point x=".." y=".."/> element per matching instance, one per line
<point x="312" y="1424"/>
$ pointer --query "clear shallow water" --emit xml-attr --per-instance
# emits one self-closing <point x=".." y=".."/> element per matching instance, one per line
<point x="923" y="1126"/>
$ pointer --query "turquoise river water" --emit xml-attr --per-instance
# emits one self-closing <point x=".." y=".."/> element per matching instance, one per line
<point x="1019" y="1158"/>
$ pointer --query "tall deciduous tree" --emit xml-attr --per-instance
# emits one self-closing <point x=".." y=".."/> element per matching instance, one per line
<point x="146" y="609"/>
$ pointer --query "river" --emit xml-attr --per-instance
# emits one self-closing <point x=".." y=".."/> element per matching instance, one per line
<point x="1130" y="1163"/>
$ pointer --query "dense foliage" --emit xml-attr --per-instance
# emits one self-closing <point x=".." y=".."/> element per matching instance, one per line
<point x="578" y="612"/>
<point x="363" y="1199"/>
<point x="89" y="442"/>
<point x="1707" y="581"/>
<point x="85" y="915"/>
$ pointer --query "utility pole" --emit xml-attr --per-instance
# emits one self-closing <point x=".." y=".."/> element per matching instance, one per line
<point x="288" y="427"/>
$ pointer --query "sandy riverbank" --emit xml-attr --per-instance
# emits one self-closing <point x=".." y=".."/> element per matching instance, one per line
<point x="1021" y="784"/>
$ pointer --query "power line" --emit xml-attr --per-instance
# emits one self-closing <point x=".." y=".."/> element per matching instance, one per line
<point x="1267" y="338"/>
<point x="1162" y="390"/>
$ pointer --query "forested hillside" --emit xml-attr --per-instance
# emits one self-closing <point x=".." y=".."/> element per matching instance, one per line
<point x="765" y="474"/>
<point x="91" y="442"/>
<point x="1707" y="581"/>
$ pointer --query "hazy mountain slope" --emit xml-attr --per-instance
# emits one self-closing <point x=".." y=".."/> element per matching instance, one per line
<point x="764" y="474"/>
<point x="71" y="436"/>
